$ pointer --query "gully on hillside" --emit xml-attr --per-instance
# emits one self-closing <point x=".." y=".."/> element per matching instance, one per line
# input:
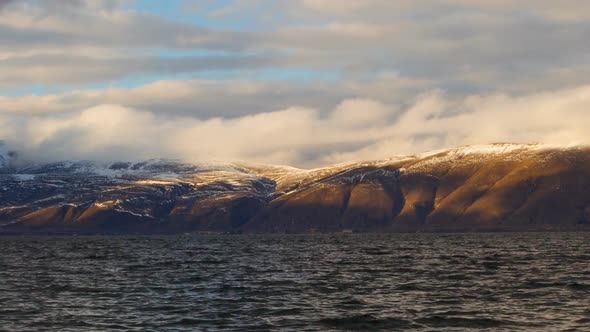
<point x="498" y="187"/>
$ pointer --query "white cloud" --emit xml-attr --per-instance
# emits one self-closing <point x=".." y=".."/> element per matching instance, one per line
<point x="353" y="113"/>
<point x="226" y="98"/>
<point x="303" y="136"/>
<point x="462" y="45"/>
<point x="376" y="58"/>
<point x="567" y="10"/>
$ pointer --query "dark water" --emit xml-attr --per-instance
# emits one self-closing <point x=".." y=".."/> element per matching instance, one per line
<point x="422" y="282"/>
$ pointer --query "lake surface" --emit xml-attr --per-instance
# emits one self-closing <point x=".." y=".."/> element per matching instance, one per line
<point x="420" y="282"/>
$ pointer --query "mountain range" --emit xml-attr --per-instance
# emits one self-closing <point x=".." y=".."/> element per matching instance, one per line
<point x="496" y="187"/>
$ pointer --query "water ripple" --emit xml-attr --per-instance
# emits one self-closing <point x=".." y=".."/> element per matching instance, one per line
<point x="415" y="282"/>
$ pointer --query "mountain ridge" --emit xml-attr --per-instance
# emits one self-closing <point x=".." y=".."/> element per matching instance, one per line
<point x="495" y="187"/>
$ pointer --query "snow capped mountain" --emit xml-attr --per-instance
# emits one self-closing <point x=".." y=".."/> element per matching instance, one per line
<point x="486" y="187"/>
<point x="490" y="149"/>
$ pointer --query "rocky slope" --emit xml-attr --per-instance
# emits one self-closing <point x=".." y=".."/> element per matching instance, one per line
<point x="498" y="187"/>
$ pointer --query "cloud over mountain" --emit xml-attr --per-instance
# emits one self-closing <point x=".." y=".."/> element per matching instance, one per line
<point x="352" y="129"/>
<point x="306" y="82"/>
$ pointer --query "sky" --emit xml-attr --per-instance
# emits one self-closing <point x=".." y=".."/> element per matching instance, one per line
<point x="299" y="82"/>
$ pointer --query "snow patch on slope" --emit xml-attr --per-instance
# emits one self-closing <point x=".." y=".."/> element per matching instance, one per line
<point x="487" y="149"/>
<point x="107" y="204"/>
<point x="498" y="149"/>
<point x="24" y="177"/>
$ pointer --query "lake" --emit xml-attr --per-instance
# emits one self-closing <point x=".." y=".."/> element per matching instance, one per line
<point x="415" y="282"/>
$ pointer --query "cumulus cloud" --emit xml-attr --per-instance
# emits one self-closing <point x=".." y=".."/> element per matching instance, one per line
<point x="303" y="136"/>
<point x="359" y="113"/>
<point x="309" y="82"/>
<point x="4" y="3"/>
<point x="464" y="45"/>
<point x="57" y="69"/>
<point x="225" y="98"/>
<point x="568" y="10"/>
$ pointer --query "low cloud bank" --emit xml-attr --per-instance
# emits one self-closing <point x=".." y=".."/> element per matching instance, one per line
<point x="354" y="129"/>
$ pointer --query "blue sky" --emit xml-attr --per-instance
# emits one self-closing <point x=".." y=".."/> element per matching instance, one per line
<point x="197" y="13"/>
<point x="243" y="17"/>
<point x="304" y="82"/>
